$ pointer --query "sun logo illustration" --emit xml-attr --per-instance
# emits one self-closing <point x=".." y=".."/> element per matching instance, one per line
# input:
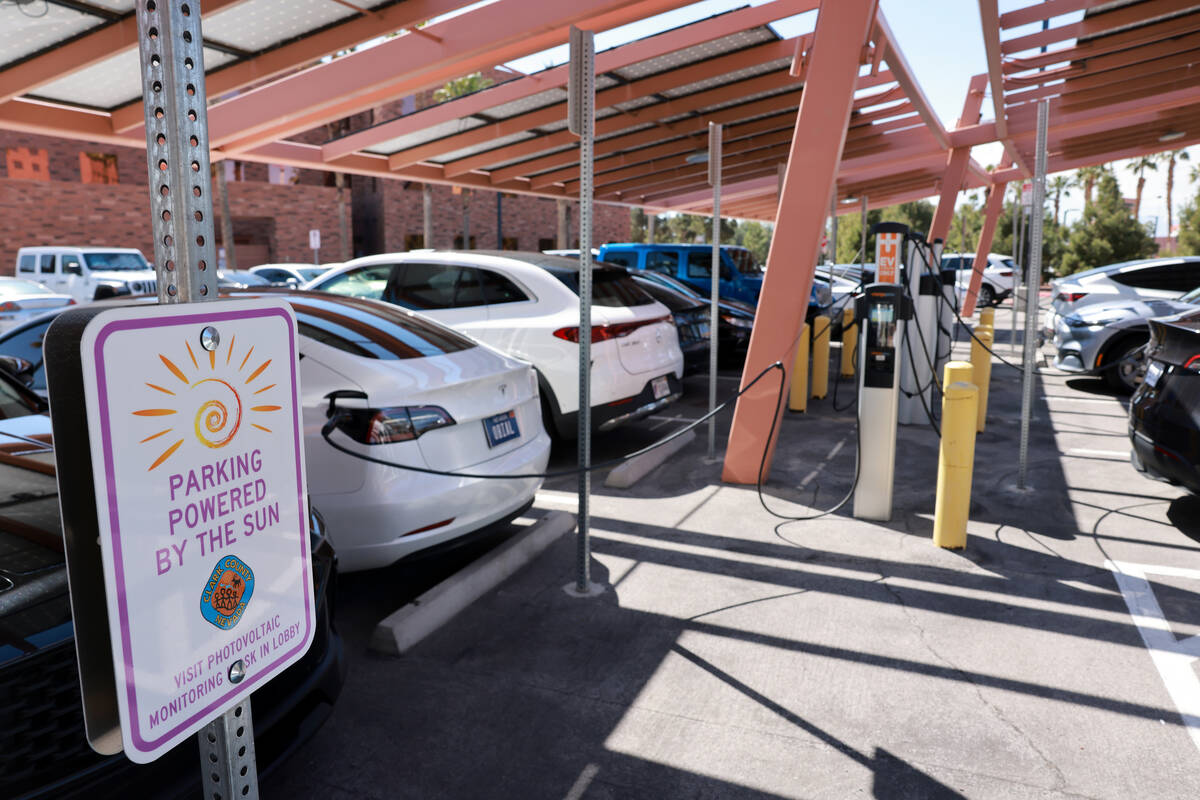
<point x="212" y="401"/>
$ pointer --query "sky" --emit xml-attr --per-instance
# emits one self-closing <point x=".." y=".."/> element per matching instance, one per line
<point x="943" y="43"/>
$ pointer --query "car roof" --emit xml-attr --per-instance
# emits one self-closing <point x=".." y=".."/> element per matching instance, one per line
<point x="43" y="247"/>
<point x="1139" y="262"/>
<point x="519" y="262"/>
<point x="668" y="246"/>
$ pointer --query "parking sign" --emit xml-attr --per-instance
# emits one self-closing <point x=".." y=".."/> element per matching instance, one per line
<point x="194" y="428"/>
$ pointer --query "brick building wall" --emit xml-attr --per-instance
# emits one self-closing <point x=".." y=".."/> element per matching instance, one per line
<point x="531" y="221"/>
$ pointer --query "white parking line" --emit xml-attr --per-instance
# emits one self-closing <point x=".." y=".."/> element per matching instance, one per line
<point x="1064" y="398"/>
<point x="1173" y="658"/>
<point x="1083" y="451"/>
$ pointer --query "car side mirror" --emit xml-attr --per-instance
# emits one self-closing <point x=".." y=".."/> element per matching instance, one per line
<point x="73" y="269"/>
<point x="20" y="368"/>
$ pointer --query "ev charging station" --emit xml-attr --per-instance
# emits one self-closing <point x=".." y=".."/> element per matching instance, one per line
<point x="946" y="310"/>
<point x="919" y="345"/>
<point x="882" y="311"/>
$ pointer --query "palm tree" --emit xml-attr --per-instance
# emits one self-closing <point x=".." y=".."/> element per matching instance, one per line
<point x="1085" y="178"/>
<point x="460" y="86"/>
<point x="1060" y="185"/>
<point x="1139" y="166"/>
<point x="1170" y="157"/>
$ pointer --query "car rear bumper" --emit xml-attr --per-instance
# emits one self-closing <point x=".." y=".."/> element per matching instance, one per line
<point x="610" y="415"/>
<point x="399" y="512"/>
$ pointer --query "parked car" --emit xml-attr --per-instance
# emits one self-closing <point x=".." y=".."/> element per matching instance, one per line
<point x="740" y="276"/>
<point x="239" y="279"/>
<point x="736" y="318"/>
<point x="1146" y="279"/>
<point x="997" y="282"/>
<point x="527" y="305"/>
<point x="88" y="273"/>
<point x="22" y="300"/>
<point x="43" y="747"/>
<point x="691" y="316"/>
<point x="415" y="392"/>
<point x="1164" y="428"/>
<point x="290" y="275"/>
<point x="1107" y="338"/>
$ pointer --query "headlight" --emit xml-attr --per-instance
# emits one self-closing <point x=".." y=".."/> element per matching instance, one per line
<point x="737" y="322"/>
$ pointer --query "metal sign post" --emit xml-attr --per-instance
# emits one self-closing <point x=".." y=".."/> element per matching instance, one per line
<point x="1018" y="238"/>
<point x="1033" y="281"/>
<point x="314" y="244"/>
<point x="581" y="121"/>
<point x="714" y="318"/>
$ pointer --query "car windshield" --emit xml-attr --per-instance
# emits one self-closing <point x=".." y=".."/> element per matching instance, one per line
<point x="1192" y="297"/>
<point x="16" y="288"/>
<point x="374" y="330"/>
<point x="12" y="402"/>
<point x="311" y="273"/>
<point x="115" y="261"/>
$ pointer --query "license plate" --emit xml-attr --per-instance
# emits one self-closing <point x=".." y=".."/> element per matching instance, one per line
<point x="501" y="428"/>
<point x="1153" y="373"/>
<point x="661" y="387"/>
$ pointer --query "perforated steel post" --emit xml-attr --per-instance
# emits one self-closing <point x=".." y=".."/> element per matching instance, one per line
<point x="171" y="51"/>
<point x="714" y="316"/>
<point x="1033" y="281"/>
<point x="581" y="120"/>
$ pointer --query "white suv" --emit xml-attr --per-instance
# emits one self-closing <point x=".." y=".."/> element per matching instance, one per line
<point x="527" y="305"/>
<point x="88" y="273"/>
<point x="1144" y="279"/>
<point x="997" y="282"/>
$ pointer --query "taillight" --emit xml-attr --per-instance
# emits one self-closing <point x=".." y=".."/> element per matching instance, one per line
<point x="9" y="305"/>
<point x="1193" y="363"/>
<point x="70" y="301"/>
<point x="387" y="425"/>
<point x="1005" y="273"/>
<point x="1071" y="297"/>
<point x="602" y="333"/>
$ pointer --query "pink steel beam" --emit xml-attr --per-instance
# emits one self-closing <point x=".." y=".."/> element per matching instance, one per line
<point x="995" y="205"/>
<point x="957" y="162"/>
<point x="81" y="53"/>
<point x="487" y="36"/>
<point x="49" y="119"/>
<point x="305" y="51"/>
<point x="841" y="32"/>
<point x="1148" y="34"/>
<point x="1045" y="10"/>
<point x="989" y="19"/>
<point x="1100" y="23"/>
<point x="904" y="76"/>
<point x="556" y="77"/>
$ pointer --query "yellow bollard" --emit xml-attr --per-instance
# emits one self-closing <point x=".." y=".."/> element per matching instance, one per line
<point x="820" y="357"/>
<point x="953" y="505"/>
<point x="849" y="341"/>
<point x="958" y="372"/>
<point x="981" y="359"/>
<point x="798" y="397"/>
<point x="987" y="317"/>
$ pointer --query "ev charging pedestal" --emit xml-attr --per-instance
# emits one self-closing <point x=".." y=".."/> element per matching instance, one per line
<point x="920" y="345"/>
<point x="881" y="312"/>
<point x="946" y="310"/>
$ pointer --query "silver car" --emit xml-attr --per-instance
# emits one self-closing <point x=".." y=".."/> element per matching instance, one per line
<point x="1106" y="338"/>
<point x="1145" y="279"/>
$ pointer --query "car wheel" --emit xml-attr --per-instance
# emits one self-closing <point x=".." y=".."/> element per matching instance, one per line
<point x="987" y="295"/>
<point x="1125" y="365"/>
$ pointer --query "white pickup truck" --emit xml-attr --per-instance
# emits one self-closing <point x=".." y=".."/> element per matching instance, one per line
<point x="88" y="273"/>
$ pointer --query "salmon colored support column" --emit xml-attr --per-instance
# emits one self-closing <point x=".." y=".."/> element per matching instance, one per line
<point x="816" y="150"/>
<point x="995" y="205"/>
<point x="957" y="162"/>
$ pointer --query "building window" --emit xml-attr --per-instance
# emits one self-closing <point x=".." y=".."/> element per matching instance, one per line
<point x="509" y="243"/>
<point x="282" y="175"/>
<point x="458" y="243"/>
<point x="27" y="165"/>
<point x="414" y="241"/>
<point x="234" y="170"/>
<point x="98" y="168"/>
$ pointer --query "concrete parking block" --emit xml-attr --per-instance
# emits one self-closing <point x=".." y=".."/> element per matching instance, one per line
<point x="403" y="628"/>
<point x="625" y="475"/>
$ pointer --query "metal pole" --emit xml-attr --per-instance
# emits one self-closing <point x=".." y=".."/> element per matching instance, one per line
<point x="499" y="221"/>
<point x="832" y="234"/>
<point x="1018" y="239"/>
<point x="1032" y="282"/>
<point x="170" y="47"/>
<point x="563" y="210"/>
<point x="862" y="256"/>
<point x="581" y="115"/>
<point x="226" y="219"/>
<point x="651" y="221"/>
<point x="427" y="203"/>
<point x="714" y="316"/>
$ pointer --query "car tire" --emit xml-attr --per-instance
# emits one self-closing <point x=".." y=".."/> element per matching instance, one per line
<point x="987" y="295"/>
<point x="104" y="292"/>
<point x="1123" y="372"/>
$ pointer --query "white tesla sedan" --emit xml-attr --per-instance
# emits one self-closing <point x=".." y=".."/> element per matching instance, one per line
<point x="527" y="305"/>
<point x="411" y="392"/>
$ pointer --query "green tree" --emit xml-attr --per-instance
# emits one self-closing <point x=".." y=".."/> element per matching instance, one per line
<point x="1189" y="228"/>
<point x="1106" y="233"/>
<point x="1085" y="178"/>
<point x="1060" y="187"/>
<point x="460" y="86"/>
<point x="918" y="216"/>
<point x="1170" y="158"/>
<point x="637" y="225"/>
<point x="1139" y="167"/>
<point x="756" y="237"/>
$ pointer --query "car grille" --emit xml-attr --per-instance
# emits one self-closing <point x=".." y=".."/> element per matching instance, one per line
<point x="143" y="287"/>
<point x="43" y="737"/>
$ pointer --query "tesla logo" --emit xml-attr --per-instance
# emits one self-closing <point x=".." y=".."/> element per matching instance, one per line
<point x="503" y="389"/>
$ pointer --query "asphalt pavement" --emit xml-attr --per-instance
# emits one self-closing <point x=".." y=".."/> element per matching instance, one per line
<point x="732" y="656"/>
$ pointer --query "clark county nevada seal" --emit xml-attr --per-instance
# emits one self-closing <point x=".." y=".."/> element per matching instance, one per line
<point x="227" y="592"/>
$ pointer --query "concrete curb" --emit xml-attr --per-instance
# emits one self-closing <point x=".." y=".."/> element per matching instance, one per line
<point x="398" y="632"/>
<point x="625" y="475"/>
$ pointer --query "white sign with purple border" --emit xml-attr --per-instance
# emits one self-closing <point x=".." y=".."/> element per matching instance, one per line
<point x="194" y="420"/>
